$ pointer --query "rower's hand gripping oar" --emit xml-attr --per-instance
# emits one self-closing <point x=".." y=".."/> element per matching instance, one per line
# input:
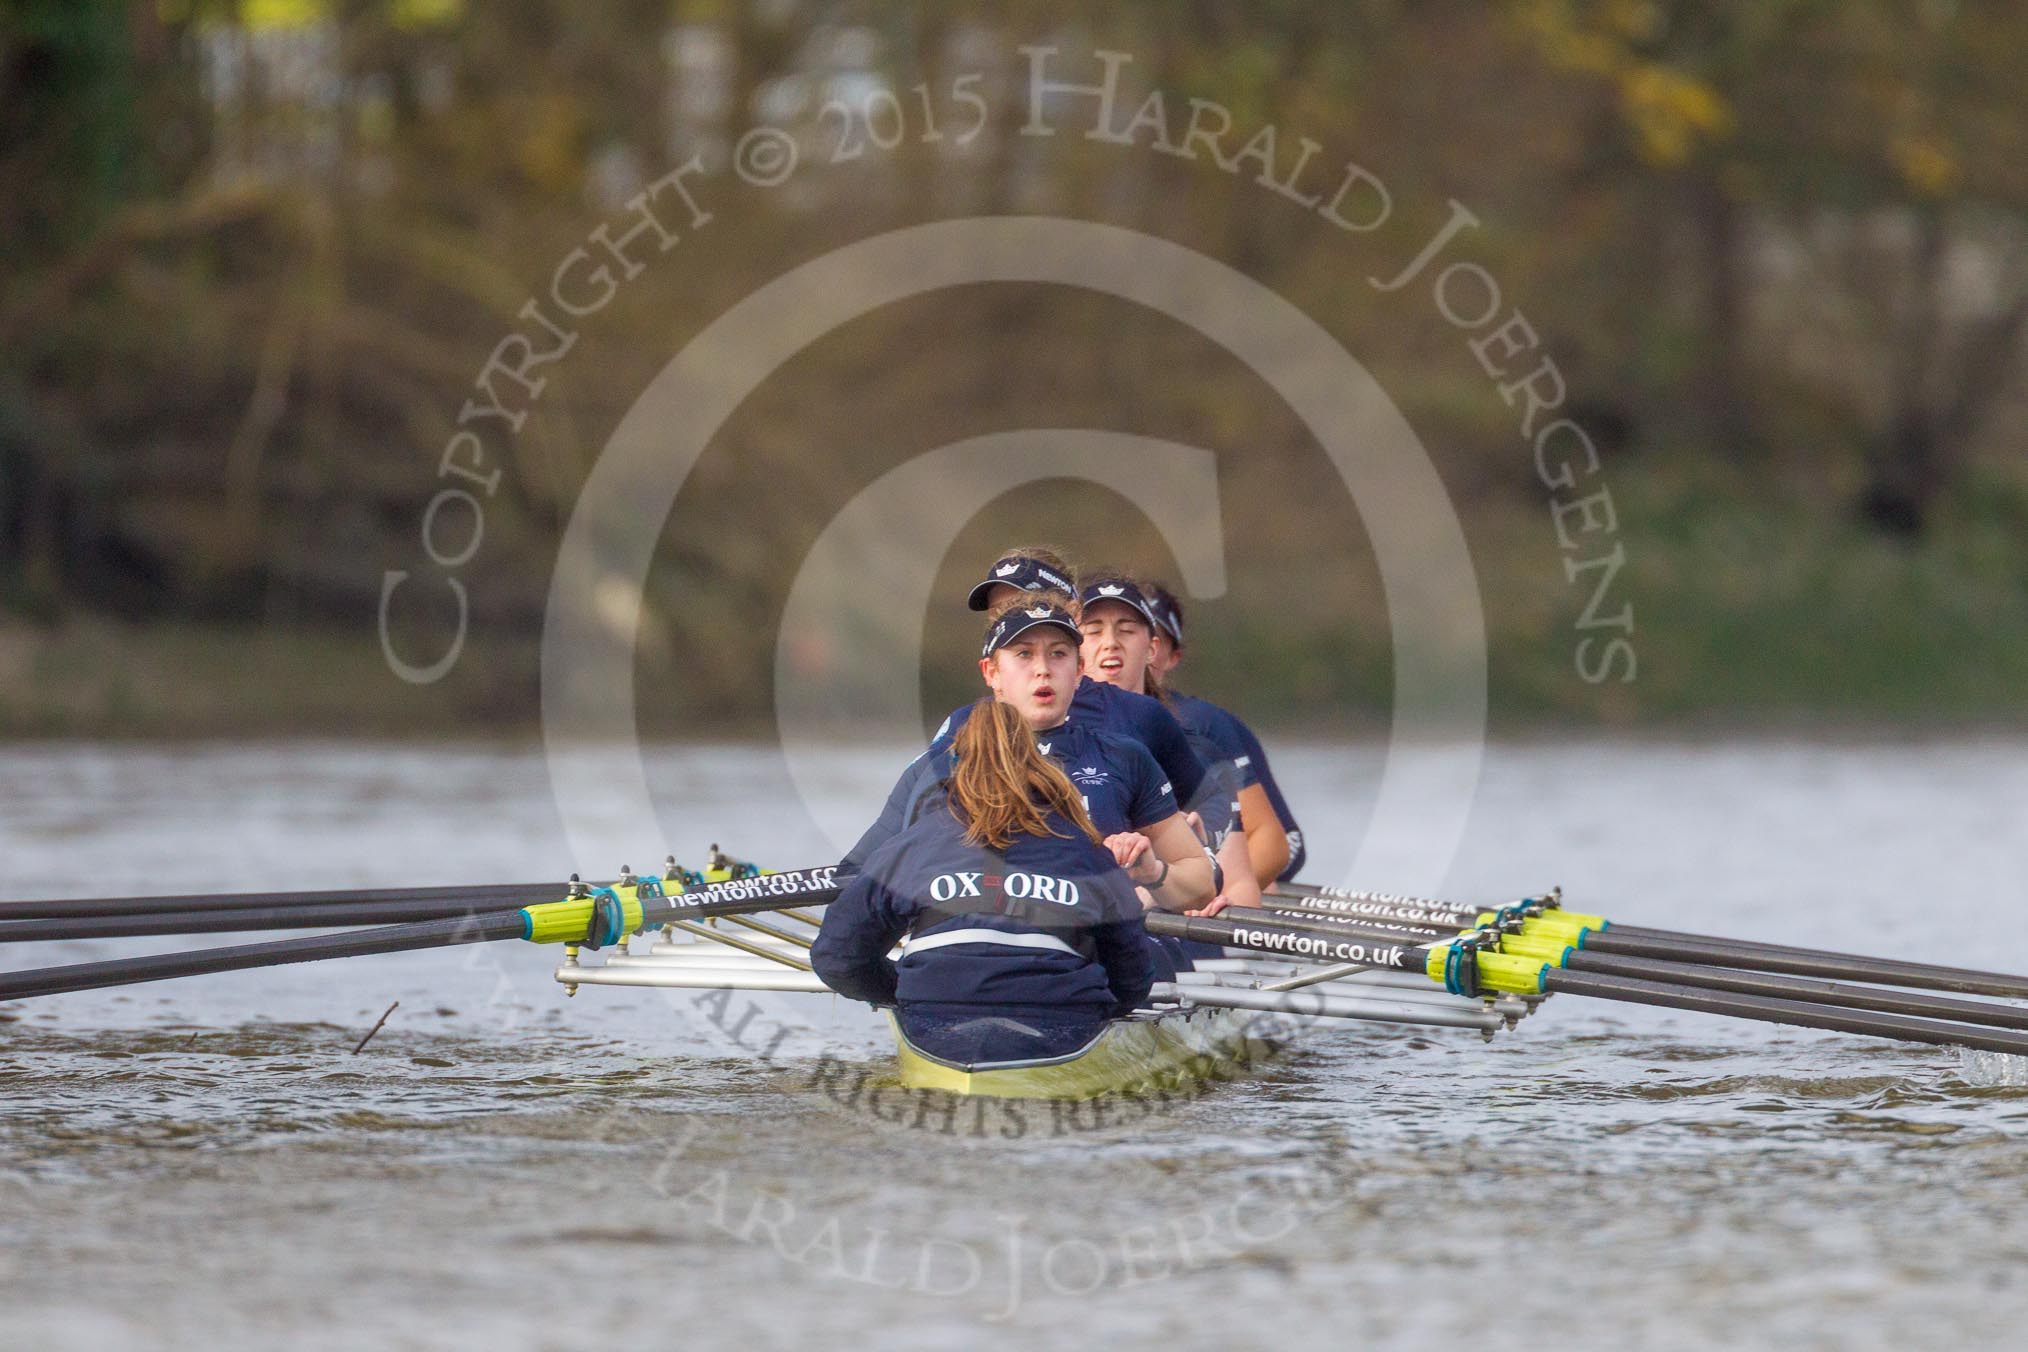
<point x="592" y="916"/>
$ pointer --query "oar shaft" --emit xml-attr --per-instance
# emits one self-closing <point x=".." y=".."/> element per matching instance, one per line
<point x="1797" y="1013"/>
<point x="1331" y="945"/>
<point x="274" y="953"/>
<point x="236" y="921"/>
<point x="769" y="892"/>
<point x="1451" y="917"/>
<point x="1832" y="966"/>
<point x="1649" y="934"/>
<point x="1401" y="931"/>
<point x="1339" y="927"/>
<point x="1675" y="946"/>
<point x="1313" y="892"/>
<point x="1883" y="1000"/>
<point x="494" y="895"/>
<point x="1717" y="965"/>
<point x="1324" y="941"/>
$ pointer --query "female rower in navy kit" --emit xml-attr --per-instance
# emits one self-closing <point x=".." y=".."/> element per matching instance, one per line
<point x="1030" y="662"/>
<point x="1092" y="703"/>
<point x="1117" y="627"/>
<point x="1272" y="862"/>
<point x="1023" y="934"/>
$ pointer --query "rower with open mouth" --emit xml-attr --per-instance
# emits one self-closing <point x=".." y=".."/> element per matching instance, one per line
<point x="1274" y="840"/>
<point x="1118" y="627"/>
<point x="1092" y="703"/>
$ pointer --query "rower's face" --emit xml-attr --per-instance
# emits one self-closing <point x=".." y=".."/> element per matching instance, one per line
<point x="999" y="592"/>
<point x="1036" y="673"/>
<point x="1117" y="643"/>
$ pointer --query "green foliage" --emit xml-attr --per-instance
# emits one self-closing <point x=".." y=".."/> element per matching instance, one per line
<point x="257" y="250"/>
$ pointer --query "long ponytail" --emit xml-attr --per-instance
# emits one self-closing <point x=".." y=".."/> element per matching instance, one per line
<point x="1002" y="786"/>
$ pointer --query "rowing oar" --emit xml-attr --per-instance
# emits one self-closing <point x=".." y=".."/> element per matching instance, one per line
<point x="462" y="895"/>
<point x="1465" y="968"/>
<point x="252" y="918"/>
<point x="1343" y="901"/>
<point x="1544" y="917"/>
<point x="600" y="916"/>
<point x="1558" y="953"/>
<point x="232" y="912"/>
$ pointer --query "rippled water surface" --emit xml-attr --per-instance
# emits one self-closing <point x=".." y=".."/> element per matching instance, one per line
<point x="208" y="1164"/>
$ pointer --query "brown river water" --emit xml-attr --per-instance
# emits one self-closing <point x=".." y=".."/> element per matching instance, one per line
<point x="208" y="1164"/>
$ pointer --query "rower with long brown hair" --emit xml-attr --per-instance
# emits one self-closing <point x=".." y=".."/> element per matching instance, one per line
<point x="1037" y="569"/>
<point x="1021" y="934"/>
<point x="1030" y="662"/>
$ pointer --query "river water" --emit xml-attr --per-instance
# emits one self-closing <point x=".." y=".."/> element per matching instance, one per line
<point x="208" y="1164"/>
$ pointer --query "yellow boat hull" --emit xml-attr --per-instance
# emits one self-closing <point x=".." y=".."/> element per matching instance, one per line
<point x="1152" y="1053"/>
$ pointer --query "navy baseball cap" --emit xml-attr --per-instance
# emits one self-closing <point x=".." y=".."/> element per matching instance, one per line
<point x="1163" y="608"/>
<point x="1018" y="570"/>
<point x="1119" y="589"/>
<point x="1021" y="619"/>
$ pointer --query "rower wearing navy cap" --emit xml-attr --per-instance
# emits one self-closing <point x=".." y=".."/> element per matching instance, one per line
<point x="1027" y="568"/>
<point x="1022" y="935"/>
<point x="1118" y="627"/>
<point x="1277" y="854"/>
<point x="1093" y="703"/>
<point x="1030" y="661"/>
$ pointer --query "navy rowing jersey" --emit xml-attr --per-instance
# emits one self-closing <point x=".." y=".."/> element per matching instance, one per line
<point x="1122" y="787"/>
<point x="1216" y="734"/>
<point x="1108" y="708"/>
<point x="1014" y="954"/>
<point x="1226" y="730"/>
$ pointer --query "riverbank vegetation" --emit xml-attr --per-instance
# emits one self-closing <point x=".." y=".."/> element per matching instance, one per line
<point x="260" y="255"/>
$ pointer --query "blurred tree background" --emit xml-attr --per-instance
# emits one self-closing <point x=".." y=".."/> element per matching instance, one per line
<point x="256" y="252"/>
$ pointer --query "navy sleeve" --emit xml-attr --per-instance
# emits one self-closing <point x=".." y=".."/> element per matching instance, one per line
<point x="1234" y="743"/>
<point x="1159" y="731"/>
<point x="1298" y="851"/>
<point x="940" y="740"/>
<point x="903" y="805"/>
<point x="1150" y="796"/>
<point x="1264" y="774"/>
<point x="1123" y="949"/>
<point x="850" y="954"/>
<point x="1121" y="937"/>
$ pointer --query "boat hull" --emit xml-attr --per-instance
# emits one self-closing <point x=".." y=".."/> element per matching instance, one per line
<point x="1155" y="1053"/>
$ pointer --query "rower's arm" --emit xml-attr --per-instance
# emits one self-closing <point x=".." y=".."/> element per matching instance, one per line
<point x="1267" y="844"/>
<point x="1189" y="881"/>
<point x="1233" y="856"/>
<point x="859" y="929"/>
<point x="1123" y="951"/>
<point x="922" y="776"/>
